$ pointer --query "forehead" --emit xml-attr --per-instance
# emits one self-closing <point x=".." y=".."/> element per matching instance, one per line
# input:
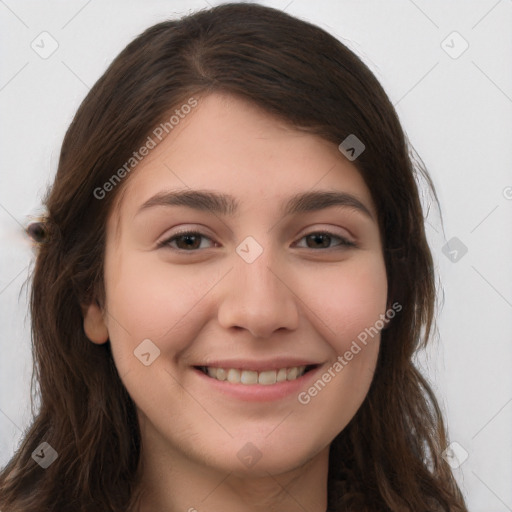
<point x="232" y="146"/>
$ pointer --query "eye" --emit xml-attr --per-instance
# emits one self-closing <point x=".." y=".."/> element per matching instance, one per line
<point x="323" y="239"/>
<point x="191" y="240"/>
<point x="185" y="241"/>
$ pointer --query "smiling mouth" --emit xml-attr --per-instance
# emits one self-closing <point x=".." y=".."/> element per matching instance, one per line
<point x="250" y="377"/>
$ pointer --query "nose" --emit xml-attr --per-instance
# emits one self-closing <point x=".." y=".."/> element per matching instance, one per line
<point x="258" y="297"/>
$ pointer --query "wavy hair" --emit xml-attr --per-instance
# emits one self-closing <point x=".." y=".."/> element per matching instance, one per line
<point x="388" y="458"/>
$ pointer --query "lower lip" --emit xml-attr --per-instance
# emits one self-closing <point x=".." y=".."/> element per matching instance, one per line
<point x="259" y="392"/>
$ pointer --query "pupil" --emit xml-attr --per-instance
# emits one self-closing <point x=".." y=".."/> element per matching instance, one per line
<point x="322" y="236"/>
<point x="190" y="240"/>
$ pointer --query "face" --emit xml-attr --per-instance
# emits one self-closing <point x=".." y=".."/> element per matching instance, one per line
<point x="247" y="283"/>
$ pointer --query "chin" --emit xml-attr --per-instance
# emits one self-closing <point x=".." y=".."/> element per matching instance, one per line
<point x="261" y="455"/>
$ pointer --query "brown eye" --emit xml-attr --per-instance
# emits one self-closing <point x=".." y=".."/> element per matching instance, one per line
<point x="188" y="241"/>
<point x="323" y="240"/>
<point x="185" y="241"/>
<point x="319" y="240"/>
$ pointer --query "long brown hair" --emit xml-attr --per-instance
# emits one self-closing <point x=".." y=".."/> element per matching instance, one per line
<point x="389" y="456"/>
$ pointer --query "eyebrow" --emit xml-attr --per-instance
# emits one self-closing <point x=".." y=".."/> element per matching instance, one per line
<point x="223" y="204"/>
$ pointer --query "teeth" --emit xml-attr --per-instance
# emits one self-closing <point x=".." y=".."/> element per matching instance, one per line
<point x="249" y="377"/>
<point x="233" y="376"/>
<point x="281" y="375"/>
<point x="292" y="373"/>
<point x="267" y="377"/>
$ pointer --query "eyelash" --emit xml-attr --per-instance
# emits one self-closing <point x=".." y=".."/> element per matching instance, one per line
<point x="167" y="242"/>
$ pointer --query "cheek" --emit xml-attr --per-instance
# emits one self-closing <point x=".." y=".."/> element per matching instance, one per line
<point x="351" y="308"/>
<point x="351" y="301"/>
<point x="150" y="299"/>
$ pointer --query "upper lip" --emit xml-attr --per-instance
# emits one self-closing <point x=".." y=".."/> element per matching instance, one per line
<point x="271" y="364"/>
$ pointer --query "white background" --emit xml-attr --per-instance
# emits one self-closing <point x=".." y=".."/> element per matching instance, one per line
<point x="456" y="112"/>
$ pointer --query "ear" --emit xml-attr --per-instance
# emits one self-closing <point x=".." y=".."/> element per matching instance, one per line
<point x="94" y="324"/>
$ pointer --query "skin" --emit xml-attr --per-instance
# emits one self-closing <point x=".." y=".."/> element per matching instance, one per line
<point x="296" y="299"/>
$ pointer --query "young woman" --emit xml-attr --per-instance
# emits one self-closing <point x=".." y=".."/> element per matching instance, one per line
<point x="232" y="280"/>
